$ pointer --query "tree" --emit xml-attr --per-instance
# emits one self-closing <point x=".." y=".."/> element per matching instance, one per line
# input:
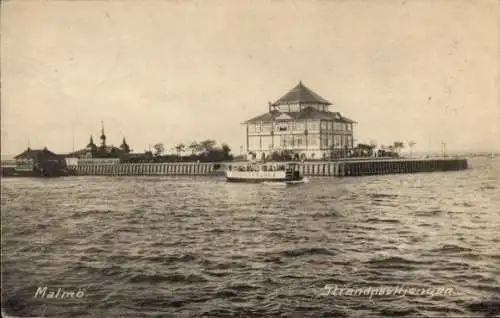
<point x="179" y="148"/>
<point x="159" y="149"/>
<point x="194" y="147"/>
<point x="207" y="145"/>
<point x="226" y="150"/>
<point x="411" y="144"/>
<point x="398" y="145"/>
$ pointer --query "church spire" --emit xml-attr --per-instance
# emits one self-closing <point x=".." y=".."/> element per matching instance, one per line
<point x="91" y="141"/>
<point x="124" y="146"/>
<point x="103" y="135"/>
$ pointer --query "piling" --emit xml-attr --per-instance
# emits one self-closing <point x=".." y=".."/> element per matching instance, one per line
<point x="340" y="168"/>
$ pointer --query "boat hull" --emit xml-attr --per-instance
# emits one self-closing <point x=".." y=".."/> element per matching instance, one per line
<point x="257" y="180"/>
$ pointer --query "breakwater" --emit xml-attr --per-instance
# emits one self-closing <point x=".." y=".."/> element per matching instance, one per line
<point x="344" y="168"/>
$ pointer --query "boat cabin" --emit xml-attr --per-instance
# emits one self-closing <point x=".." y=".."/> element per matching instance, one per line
<point x="261" y="172"/>
<point x="287" y="167"/>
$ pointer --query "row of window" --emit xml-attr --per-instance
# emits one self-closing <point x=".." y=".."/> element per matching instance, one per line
<point x="299" y="141"/>
<point x="292" y="108"/>
<point x="337" y="141"/>
<point x="299" y="126"/>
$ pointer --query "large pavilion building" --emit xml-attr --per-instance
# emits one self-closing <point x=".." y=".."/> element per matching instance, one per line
<point x="300" y="122"/>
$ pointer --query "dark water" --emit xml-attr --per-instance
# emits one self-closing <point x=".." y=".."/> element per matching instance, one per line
<point x="173" y="247"/>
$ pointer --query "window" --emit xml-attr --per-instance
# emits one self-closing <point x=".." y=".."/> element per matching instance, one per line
<point x="349" y="142"/>
<point x="266" y="141"/>
<point x="283" y="142"/>
<point x="294" y="108"/>
<point x="300" y="125"/>
<point x="267" y="128"/>
<point x="251" y="128"/>
<point x="338" y="126"/>
<point x="257" y="127"/>
<point x="283" y="127"/>
<point x="324" y="125"/>
<point x="299" y="140"/>
<point x="314" y="125"/>
<point x="337" y="141"/>
<point x="283" y="109"/>
<point x="349" y="127"/>
<point x="330" y="140"/>
<point x="254" y="143"/>
<point x="313" y="140"/>
<point x="324" y="141"/>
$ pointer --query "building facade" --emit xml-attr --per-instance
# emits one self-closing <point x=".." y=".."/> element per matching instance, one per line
<point x="300" y="123"/>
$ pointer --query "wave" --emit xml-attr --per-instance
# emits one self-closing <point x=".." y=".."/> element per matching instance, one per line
<point x="380" y="220"/>
<point x="304" y="251"/>
<point x="451" y="249"/>
<point x="399" y="312"/>
<point x="487" y="307"/>
<point x="395" y="262"/>
<point x="168" y="278"/>
<point x="429" y="213"/>
<point x="170" y="259"/>
<point x="382" y="195"/>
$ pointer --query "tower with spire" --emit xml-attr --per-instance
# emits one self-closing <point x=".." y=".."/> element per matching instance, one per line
<point x="103" y="136"/>
<point x="91" y="145"/>
<point x="103" y="150"/>
<point x="124" y="146"/>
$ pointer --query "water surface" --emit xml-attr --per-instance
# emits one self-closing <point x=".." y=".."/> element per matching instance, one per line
<point x="193" y="246"/>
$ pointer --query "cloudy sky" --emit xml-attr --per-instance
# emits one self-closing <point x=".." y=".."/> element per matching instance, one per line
<point x="177" y="71"/>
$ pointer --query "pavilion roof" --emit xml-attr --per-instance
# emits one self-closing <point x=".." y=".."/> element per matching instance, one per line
<point x="307" y="113"/>
<point x="300" y="94"/>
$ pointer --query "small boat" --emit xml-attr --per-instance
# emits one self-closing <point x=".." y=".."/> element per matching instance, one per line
<point x="285" y="173"/>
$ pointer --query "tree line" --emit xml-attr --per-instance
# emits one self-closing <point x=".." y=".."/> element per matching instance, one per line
<point x="203" y="151"/>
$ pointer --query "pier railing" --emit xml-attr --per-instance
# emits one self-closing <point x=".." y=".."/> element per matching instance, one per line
<point x="339" y="168"/>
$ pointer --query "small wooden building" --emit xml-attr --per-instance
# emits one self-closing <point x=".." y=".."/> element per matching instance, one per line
<point x="42" y="161"/>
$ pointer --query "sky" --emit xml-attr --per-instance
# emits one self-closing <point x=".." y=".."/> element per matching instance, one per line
<point x="178" y="71"/>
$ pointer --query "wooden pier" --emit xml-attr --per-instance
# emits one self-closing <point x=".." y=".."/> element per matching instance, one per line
<point x="344" y="168"/>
